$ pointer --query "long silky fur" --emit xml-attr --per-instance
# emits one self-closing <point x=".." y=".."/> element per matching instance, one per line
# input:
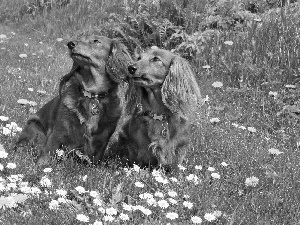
<point x="118" y="61"/>
<point x="180" y="92"/>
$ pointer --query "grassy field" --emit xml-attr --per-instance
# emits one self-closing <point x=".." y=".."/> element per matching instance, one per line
<point x="243" y="163"/>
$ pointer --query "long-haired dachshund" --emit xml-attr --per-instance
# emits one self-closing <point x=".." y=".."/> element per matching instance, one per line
<point x="162" y="102"/>
<point x="85" y="113"/>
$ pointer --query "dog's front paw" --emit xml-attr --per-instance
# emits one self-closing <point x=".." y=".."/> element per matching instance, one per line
<point x="43" y="160"/>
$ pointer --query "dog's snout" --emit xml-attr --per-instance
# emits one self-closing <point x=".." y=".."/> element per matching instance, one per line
<point x="71" y="45"/>
<point x="132" y="69"/>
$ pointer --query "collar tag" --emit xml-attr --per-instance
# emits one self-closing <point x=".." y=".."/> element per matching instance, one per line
<point x="158" y="117"/>
<point x="94" y="106"/>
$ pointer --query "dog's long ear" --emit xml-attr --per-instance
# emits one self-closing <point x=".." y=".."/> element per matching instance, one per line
<point x="180" y="91"/>
<point x="67" y="77"/>
<point x="133" y="97"/>
<point x="118" y="61"/>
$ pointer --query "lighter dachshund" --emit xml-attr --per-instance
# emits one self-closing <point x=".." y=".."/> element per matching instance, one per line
<point x="162" y="101"/>
<point x="85" y="113"/>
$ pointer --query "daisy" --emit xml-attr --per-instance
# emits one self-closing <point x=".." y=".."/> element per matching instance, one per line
<point x="290" y="86"/>
<point x="53" y="205"/>
<point x="206" y="67"/>
<point x="174" y="179"/>
<point x="3" y="36"/>
<point x="59" y="152"/>
<point x="228" y="42"/>
<point x="101" y="210"/>
<point x="124" y="217"/>
<point x="82" y="218"/>
<point x="139" y="184"/>
<point x="215" y="176"/>
<point x="151" y="201"/>
<point x="214" y="120"/>
<point x="62" y="200"/>
<point x="146" y="211"/>
<point x="181" y="167"/>
<point x="111" y="211"/>
<point x="251" y="181"/>
<point x="173" y="201"/>
<point x="196" y="219"/>
<point x="3" y="154"/>
<point x="217" y="84"/>
<point x="163" y="204"/>
<point x="251" y="129"/>
<point x="136" y="168"/>
<point x="172" y="215"/>
<point x="127" y="207"/>
<point x="146" y="196"/>
<point x="11" y="165"/>
<point x="22" y="56"/>
<point x="61" y="192"/>
<point x="45" y="181"/>
<point x="209" y="217"/>
<point x="211" y="169"/>
<point x="94" y="194"/>
<point x="47" y="170"/>
<point x="186" y="196"/>
<point x="172" y="194"/>
<point x="224" y="164"/>
<point x="4" y="118"/>
<point x="198" y="167"/>
<point x="84" y="178"/>
<point x="188" y="204"/>
<point x="217" y="213"/>
<point x="274" y="151"/>
<point x="273" y="93"/>
<point x="159" y="194"/>
<point x="242" y="127"/>
<point x="97" y="202"/>
<point x="162" y="180"/>
<point x="156" y="173"/>
<point x="80" y="189"/>
<point x="108" y="218"/>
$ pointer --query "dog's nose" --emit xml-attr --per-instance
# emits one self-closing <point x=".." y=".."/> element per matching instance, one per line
<point x="71" y="45"/>
<point x="132" y="69"/>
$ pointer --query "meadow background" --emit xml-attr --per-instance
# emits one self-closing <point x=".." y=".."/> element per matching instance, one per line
<point x="243" y="163"/>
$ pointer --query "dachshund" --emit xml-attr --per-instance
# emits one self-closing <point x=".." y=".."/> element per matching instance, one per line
<point x="85" y="113"/>
<point x="162" y="102"/>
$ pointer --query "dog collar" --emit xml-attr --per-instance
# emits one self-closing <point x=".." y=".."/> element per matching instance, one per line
<point x="161" y="117"/>
<point x="94" y="101"/>
<point x="92" y="95"/>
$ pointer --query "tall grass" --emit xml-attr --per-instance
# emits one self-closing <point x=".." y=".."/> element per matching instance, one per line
<point x="257" y="114"/>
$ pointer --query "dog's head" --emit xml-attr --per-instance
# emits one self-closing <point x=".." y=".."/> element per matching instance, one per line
<point x="159" y="68"/>
<point x="101" y="52"/>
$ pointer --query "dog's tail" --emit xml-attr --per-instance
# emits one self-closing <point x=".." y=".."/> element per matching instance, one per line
<point x="34" y="131"/>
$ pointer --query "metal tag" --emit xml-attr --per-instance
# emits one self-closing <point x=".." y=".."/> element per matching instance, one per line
<point x="95" y="107"/>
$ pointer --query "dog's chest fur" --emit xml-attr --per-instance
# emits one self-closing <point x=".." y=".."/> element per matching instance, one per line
<point x="83" y="107"/>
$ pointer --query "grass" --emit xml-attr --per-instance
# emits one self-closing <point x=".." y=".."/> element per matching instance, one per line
<point x="254" y="138"/>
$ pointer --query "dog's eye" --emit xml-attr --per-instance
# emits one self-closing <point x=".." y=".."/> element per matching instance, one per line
<point x="139" y="58"/>
<point x="96" y="41"/>
<point x="155" y="59"/>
